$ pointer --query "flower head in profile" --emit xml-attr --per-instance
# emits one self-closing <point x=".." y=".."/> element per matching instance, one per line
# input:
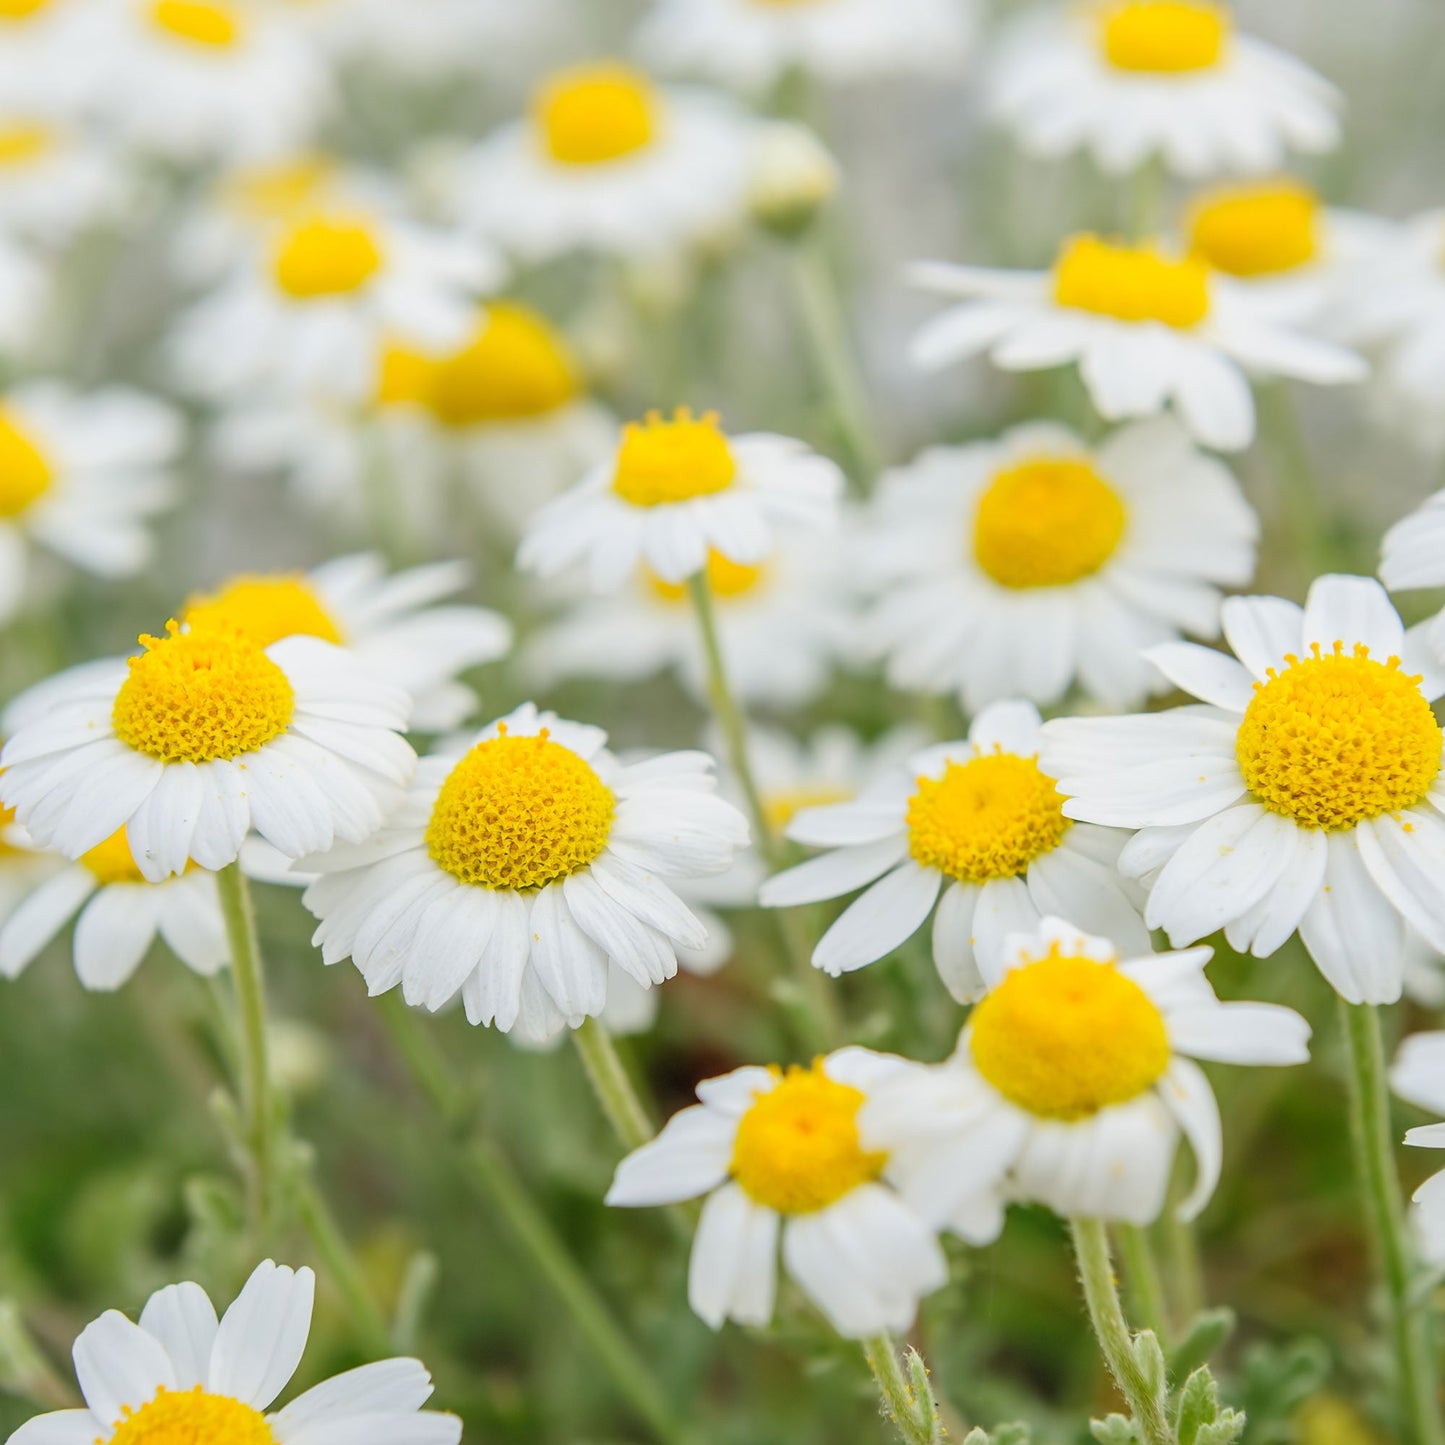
<point x="183" y="1375"/>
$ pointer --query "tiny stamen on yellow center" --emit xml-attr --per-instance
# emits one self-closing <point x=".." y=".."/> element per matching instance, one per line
<point x="1064" y="1036"/>
<point x="1336" y="738"/>
<point x="797" y="1149"/>
<point x="516" y="367"/>
<point x="725" y="579"/>
<point x="113" y="861"/>
<point x="198" y="696"/>
<point x="218" y="27"/>
<point x="593" y="114"/>
<point x="25" y="474"/>
<point x="190" y="1417"/>
<point x="782" y="806"/>
<point x="519" y="812"/>
<point x="1047" y="522"/>
<point x="663" y="461"/>
<point x="1164" y="37"/>
<point x="264" y="609"/>
<point x="987" y="818"/>
<point x="1258" y="229"/>
<point x="1131" y="283"/>
<point x="22" y="145"/>
<point x="326" y="256"/>
<point x="271" y="193"/>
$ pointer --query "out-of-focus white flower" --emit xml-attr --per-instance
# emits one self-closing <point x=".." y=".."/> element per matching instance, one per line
<point x="25" y="288"/>
<point x="49" y="61"/>
<point x="794" y="177"/>
<point x="55" y="179"/>
<point x="1418" y="1077"/>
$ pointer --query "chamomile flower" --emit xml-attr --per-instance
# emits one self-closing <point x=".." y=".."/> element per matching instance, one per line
<point x="1145" y="326"/>
<point x="1073" y="1080"/>
<point x="400" y="628"/>
<point x="55" y="179"/>
<point x="1022" y="567"/>
<point x="1303" y="794"/>
<point x="785" y="1159"/>
<point x="1418" y="1076"/>
<point x="607" y="161"/>
<point x="749" y="44"/>
<point x="674" y="492"/>
<point x="200" y="738"/>
<point x="514" y="872"/>
<point x="975" y="827"/>
<point x="180" y="1374"/>
<point x="1126" y="80"/>
<point x="79" y="478"/>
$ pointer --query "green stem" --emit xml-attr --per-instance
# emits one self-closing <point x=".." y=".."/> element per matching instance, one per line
<point x="1307" y="521"/>
<point x="1146" y="1286"/>
<point x="342" y="1267"/>
<point x="907" y="1399"/>
<point x="1385" y="1206"/>
<point x="612" y="1085"/>
<point x="1181" y="1251"/>
<point x="1147" y="193"/>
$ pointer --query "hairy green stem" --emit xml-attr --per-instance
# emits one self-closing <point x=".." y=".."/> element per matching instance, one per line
<point x="906" y="1397"/>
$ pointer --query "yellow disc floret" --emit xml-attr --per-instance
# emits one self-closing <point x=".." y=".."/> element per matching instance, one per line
<point x="519" y="812"/>
<point x="516" y="367"/>
<point x="1047" y="522"/>
<point x="113" y="861"/>
<point x="265" y="609"/>
<point x="191" y="1417"/>
<point x="987" y="818"/>
<point x="22" y="144"/>
<point x="1131" y="283"/>
<point x="592" y="114"/>
<point x="215" y="26"/>
<point x="663" y="461"/>
<point x="1065" y="1036"/>
<point x="195" y="697"/>
<point x="326" y="256"/>
<point x="798" y="1149"/>
<point x="1258" y="229"/>
<point x="725" y="579"/>
<point x="25" y="474"/>
<point x="1336" y="738"/>
<point x="1165" y="37"/>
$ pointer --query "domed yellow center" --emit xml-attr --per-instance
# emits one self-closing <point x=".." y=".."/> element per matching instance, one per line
<point x="1131" y="283"/>
<point x="663" y="461"/>
<point x="270" y="193"/>
<point x="264" y="609"/>
<point x="1046" y="522"/>
<point x="783" y="805"/>
<point x="1065" y="1036"/>
<point x="595" y="113"/>
<point x="519" y="812"/>
<point x="1165" y="37"/>
<point x="987" y="818"/>
<point x="192" y="1417"/>
<point x="1336" y="738"/>
<point x="218" y="27"/>
<point x="21" y="9"/>
<point x="194" y="697"/>
<point x="25" y="474"/>
<point x="516" y="367"/>
<point x="22" y="145"/>
<point x="797" y="1148"/>
<point x="326" y="256"/>
<point x="725" y="579"/>
<point x="113" y="861"/>
<point x="1256" y="230"/>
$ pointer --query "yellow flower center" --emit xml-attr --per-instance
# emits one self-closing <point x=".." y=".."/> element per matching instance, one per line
<point x="1046" y="522"/>
<point x="326" y="256"/>
<point x="113" y="861"/>
<point x="1256" y="230"/>
<point x="519" y="812"/>
<point x="725" y="579"/>
<point x="269" y="193"/>
<point x="21" y="9"/>
<point x="987" y="818"/>
<point x="797" y="1148"/>
<point x="21" y="145"/>
<point x="783" y="806"/>
<point x="663" y="461"/>
<point x="198" y="696"/>
<point x="191" y="1417"/>
<point x="1337" y="738"/>
<point x="263" y="609"/>
<point x="595" y="113"/>
<point x="218" y="27"/>
<point x="1168" y="37"/>
<point x="1131" y="283"/>
<point x="406" y="376"/>
<point x="517" y="366"/>
<point x="7" y="820"/>
<point x="25" y="474"/>
<point x="1066" y="1036"/>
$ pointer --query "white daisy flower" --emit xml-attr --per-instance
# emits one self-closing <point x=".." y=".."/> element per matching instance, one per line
<point x="400" y="628"/>
<point x="976" y="827"/>
<point x="750" y="44"/>
<point x="1303" y="794"/>
<point x="55" y="179"/>
<point x="182" y="1375"/>
<point x="1073" y="1080"/>
<point x="514" y="872"/>
<point x="1418" y="1076"/>
<point x="48" y="58"/>
<point x="1126" y="80"/>
<point x="1021" y="567"/>
<point x="783" y="1159"/>
<point x="1145" y="326"/>
<point x="607" y="161"/>
<point x="79" y="477"/>
<point x="675" y="491"/>
<point x="201" y="738"/>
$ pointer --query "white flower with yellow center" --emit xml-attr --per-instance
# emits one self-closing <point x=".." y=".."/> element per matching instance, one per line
<point x="49" y="65"/>
<point x="400" y="628"/>
<point x="1303" y="794"/>
<point x="202" y="737"/>
<point x="1073" y="1080"/>
<point x="55" y="179"/>
<point x="674" y="493"/>
<point x="79" y="477"/>
<point x="1147" y="327"/>
<point x="1026" y="566"/>
<point x="785" y="1157"/>
<point x="515" y="872"/>
<point x="749" y="44"/>
<point x="182" y="1375"/>
<point x="977" y="828"/>
<point x="1126" y="80"/>
<point x="607" y="161"/>
<point x="1418" y="1076"/>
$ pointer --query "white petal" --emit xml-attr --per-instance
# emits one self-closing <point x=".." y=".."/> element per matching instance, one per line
<point x="262" y="1335"/>
<point x="1190" y="1099"/>
<point x="889" y="912"/>
<point x="733" y="1270"/>
<point x="183" y="1319"/>
<point x="118" y="1364"/>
